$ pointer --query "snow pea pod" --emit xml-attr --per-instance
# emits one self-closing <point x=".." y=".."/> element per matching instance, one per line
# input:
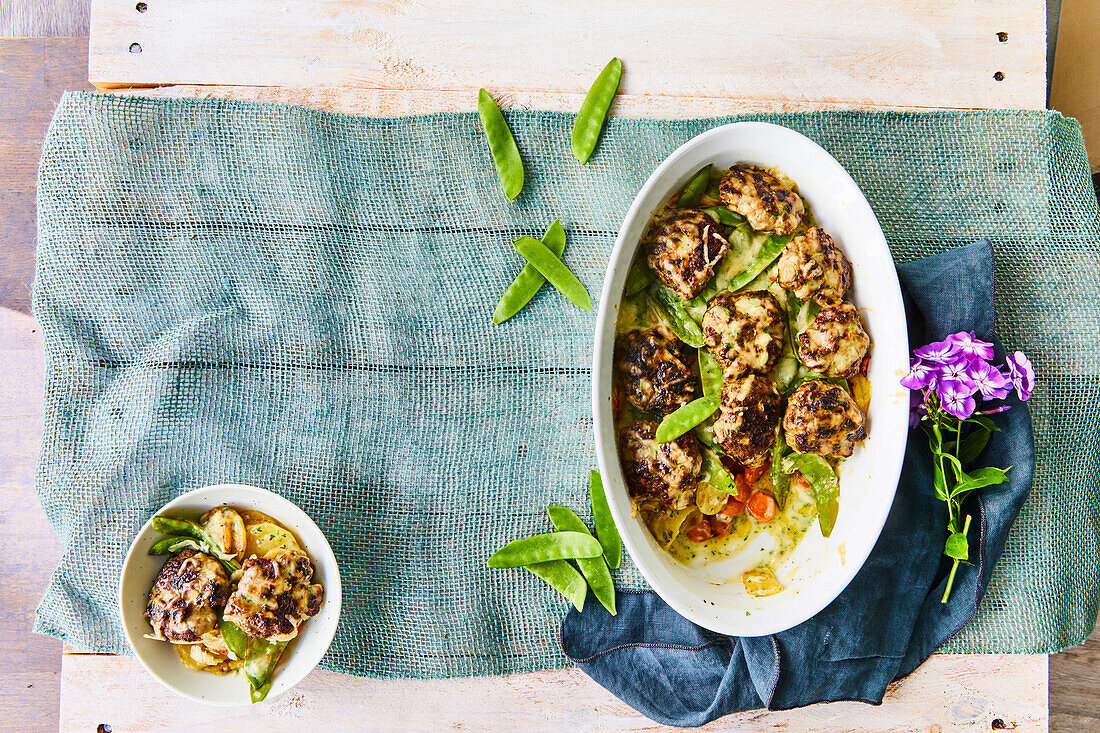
<point x="710" y="372"/>
<point x="594" y="569"/>
<point x="686" y="417"/>
<point x="545" y="547"/>
<point x="824" y="482"/>
<point x="237" y="641"/>
<point x="502" y="146"/>
<point x="724" y="216"/>
<point x="639" y="278"/>
<point x="562" y="577"/>
<point x="781" y="480"/>
<point x="594" y="108"/>
<point x="768" y="254"/>
<point x="172" y="545"/>
<point x="529" y="280"/>
<point x="554" y="270"/>
<point x="694" y="189"/>
<point x="606" y="530"/>
<point x="187" y="528"/>
<point x="715" y="474"/>
<point x="260" y="665"/>
<point x="679" y="320"/>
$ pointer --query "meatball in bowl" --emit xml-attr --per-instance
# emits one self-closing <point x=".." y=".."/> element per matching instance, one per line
<point x="281" y="587"/>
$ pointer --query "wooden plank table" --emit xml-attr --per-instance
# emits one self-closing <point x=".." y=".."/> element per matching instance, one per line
<point x="389" y="66"/>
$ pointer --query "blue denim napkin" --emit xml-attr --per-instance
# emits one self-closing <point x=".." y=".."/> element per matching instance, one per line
<point x="886" y="622"/>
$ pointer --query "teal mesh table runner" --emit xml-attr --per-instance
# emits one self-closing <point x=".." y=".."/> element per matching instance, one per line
<point x="299" y="300"/>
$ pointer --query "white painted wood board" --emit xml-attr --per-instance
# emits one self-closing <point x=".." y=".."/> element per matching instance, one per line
<point x="947" y="693"/>
<point x="754" y="54"/>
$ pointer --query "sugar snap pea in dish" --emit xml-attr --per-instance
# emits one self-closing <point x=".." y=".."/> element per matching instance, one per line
<point x="554" y="270"/>
<point x="502" y="146"/>
<point x="694" y="189"/>
<point x="606" y="530"/>
<point x="529" y="280"/>
<point x="594" y="569"/>
<point x="746" y="277"/>
<point x="594" y="109"/>
<point x="685" y="418"/>
<point x="235" y="590"/>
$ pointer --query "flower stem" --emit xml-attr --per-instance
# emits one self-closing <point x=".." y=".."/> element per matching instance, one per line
<point x="955" y="565"/>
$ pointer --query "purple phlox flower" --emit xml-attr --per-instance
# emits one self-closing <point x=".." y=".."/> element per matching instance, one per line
<point x="938" y="352"/>
<point x="920" y="375"/>
<point x="988" y="380"/>
<point x="970" y="346"/>
<point x="957" y="398"/>
<point x="917" y="410"/>
<point x="1021" y="373"/>
<point x="957" y="371"/>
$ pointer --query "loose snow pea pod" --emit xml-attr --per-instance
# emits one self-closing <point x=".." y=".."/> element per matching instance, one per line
<point x="679" y="320"/>
<point x="781" y="480"/>
<point x="686" y="417"/>
<point x="715" y="474"/>
<point x="529" y="280"/>
<point x="593" y="112"/>
<point x="724" y="215"/>
<point x="237" y="641"/>
<point x="768" y="254"/>
<point x="260" y="665"/>
<point x="710" y="372"/>
<point x="545" y="547"/>
<point x="694" y="189"/>
<point x="639" y="278"/>
<point x="594" y="569"/>
<point x="823" y="480"/>
<point x="502" y="146"/>
<point x="606" y="530"/>
<point x="712" y="191"/>
<point x="562" y="577"/>
<point x="554" y="270"/>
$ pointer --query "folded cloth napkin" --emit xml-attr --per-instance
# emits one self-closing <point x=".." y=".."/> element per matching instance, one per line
<point x="886" y="622"/>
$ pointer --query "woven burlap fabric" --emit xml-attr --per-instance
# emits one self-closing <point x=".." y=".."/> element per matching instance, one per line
<point x="298" y="300"/>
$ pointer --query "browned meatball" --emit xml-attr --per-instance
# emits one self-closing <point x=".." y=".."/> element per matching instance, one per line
<point x="823" y="418"/>
<point x="274" y="596"/>
<point x="666" y="472"/>
<point x="187" y="597"/>
<point x="759" y="197"/>
<point x="835" y="343"/>
<point x="684" y="251"/>
<point x="812" y="265"/>
<point x="654" y="365"/>
<point x="744" y="331"/>
<point x="749" y="419"/>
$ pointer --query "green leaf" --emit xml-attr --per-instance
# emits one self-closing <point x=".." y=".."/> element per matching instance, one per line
<point x="979" y="479"/>
<point x="973" y="445"/>
<point x="939" y="481"/>
<point x="956" y="547"/>
<point x="985" y="422"/>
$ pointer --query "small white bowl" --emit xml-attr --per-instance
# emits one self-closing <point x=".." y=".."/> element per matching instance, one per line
<point x="140" y="569"/>
<point x="818" y="569"/>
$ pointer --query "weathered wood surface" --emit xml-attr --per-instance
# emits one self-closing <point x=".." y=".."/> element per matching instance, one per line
<point x="808" y="53"/>
<point x="1073" y="677"/>
<point x="30" y="682"/>
<point x="956" y="693"/>
<point x="51" y="18"/>
<point x="1075" y="85"/>
<point x="33" y="74"/>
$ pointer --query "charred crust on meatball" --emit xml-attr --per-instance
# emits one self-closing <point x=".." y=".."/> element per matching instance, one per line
<point x="684" y="249"/>
<point x="665" y="472"/>
<point x="655" y="370"/>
